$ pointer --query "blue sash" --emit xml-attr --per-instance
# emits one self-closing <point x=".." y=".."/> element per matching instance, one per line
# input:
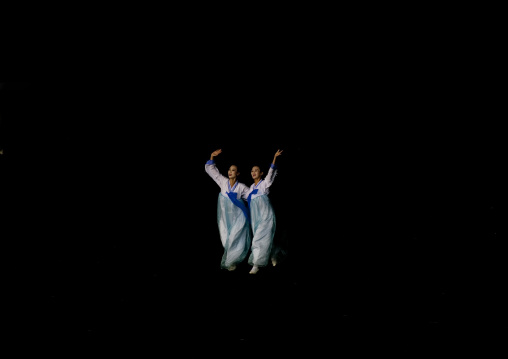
<point x="239" y="203"/>
<point x="254" y="191"/>
<point x="250" y="194"/>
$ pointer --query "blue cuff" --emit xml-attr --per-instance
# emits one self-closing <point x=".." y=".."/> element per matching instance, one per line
<point x="273" y="166"/>
<point x="210" y="162"/>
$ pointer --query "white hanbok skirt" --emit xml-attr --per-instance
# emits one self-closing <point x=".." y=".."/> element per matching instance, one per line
<point x="234" y="232"/>
<point x="263" y="229"/>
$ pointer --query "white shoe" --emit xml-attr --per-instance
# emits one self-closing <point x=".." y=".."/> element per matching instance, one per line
<point x="231" y="268"/>
<point x="274" y="262"/>
<point x="254" y="270"/>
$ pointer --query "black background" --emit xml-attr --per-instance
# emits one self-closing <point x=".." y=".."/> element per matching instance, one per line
<point x="387" y="204"/>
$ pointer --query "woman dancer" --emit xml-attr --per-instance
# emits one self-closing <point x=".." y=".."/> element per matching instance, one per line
<point x="262" y="216"/>
<point x="232" y="214"/>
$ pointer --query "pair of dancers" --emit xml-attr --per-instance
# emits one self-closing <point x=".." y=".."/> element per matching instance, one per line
<point x="235" y="219"/>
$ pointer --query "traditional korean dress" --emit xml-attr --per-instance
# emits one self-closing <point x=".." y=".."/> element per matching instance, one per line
<point x="232" y="217"/>
<point x="262" y="219"/>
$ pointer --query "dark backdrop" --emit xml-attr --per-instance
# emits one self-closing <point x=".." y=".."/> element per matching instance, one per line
<point x="387" y="208"/>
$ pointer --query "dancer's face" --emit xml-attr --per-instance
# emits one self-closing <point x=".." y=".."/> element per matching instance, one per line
<point x="233" y="172"/>
<point x="256" y="173"/>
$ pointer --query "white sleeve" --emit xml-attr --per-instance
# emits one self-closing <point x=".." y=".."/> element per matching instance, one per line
<point x="213" y="172"/>
<point x="270" y="177"/>
<point x="245" y="192"/>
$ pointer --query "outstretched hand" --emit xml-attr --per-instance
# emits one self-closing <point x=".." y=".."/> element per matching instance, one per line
<point x="216" y="152"/>
<point x="277" y="154"/>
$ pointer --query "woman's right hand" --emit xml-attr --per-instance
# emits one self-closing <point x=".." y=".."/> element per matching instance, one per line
<point x="216" y="153"/>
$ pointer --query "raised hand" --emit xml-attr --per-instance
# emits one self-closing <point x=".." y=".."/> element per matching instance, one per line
<point x="216" y="152"/>
<point x="277" y="154"/>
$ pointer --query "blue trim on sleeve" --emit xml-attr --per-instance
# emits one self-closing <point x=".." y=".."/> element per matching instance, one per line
<point x="273" y="166"/>
<point x="210" y="162"/>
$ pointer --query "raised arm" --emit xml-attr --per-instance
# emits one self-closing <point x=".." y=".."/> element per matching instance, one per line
<point x="272" y="172"/>
<point x="212" y="170"/>
<point x="277" y="154"/>
<point x="215" y="154"/>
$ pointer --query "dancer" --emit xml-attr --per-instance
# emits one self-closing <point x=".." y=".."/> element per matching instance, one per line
<point x="232" y="214"/>
<point x="262" y="216"/>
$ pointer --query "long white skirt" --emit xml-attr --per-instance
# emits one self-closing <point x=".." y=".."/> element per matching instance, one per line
<point x="263" y="229"/>
<point x="234" y="232"/>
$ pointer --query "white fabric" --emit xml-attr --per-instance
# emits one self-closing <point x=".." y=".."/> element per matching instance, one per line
<point x="263" y="229"/>
<point x="233" y="226"/>
<point x="263" y="221"/>
<point x="263" y="186"/>
<point x="222" y="181"/>
<point x="234" y="232"/>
